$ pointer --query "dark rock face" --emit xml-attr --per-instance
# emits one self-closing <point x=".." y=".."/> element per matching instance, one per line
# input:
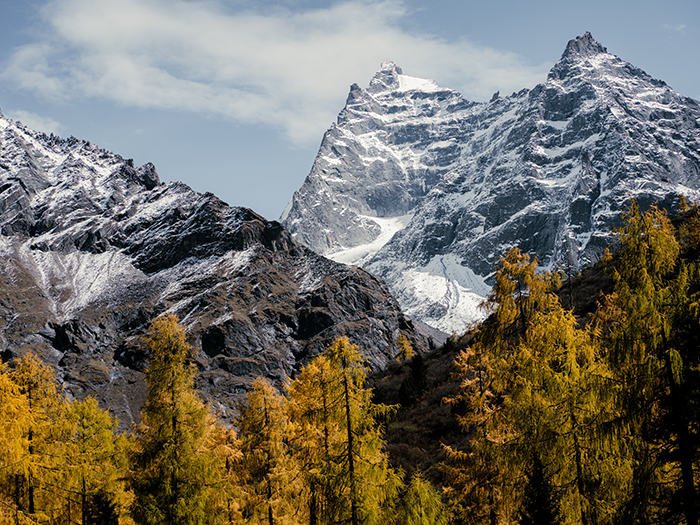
<point x="549" y="170"/>
<point x="92" y="249"/>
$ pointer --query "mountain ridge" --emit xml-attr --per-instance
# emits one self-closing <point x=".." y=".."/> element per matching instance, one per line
<point x="452" y="184"/>
<point x="93" y="248"/>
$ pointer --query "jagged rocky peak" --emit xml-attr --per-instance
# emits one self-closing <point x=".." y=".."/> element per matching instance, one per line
<point x="92" y="249"/>
<point x="387" y="78"/>
<point x="583" y="46"/>
<point x="47" y="182"/>
<point x="381" y="181"/>
<point x="427" y="190"/>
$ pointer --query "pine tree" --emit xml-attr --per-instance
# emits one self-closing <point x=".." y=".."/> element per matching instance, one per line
<point x="178" y="468"/>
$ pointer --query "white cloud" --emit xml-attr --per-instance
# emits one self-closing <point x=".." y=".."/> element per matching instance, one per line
<point x="679" y="28"/>
<point x="34" y="121"/>
<point x="290" y="70"/>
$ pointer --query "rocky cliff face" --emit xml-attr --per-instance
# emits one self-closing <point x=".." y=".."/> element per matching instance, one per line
<point x="427" y="190"/>
<point x="93" y="248"/>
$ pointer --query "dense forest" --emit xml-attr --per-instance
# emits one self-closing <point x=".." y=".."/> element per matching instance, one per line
<point x="565" y="417"/>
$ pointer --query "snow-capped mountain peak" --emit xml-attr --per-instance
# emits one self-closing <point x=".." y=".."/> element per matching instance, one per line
<point x="386" y="79"/>
<point x="456" y="183"/>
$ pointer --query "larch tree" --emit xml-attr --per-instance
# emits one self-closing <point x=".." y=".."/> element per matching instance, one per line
<point x="420" y="504"/>
<point x="562" y="404"/>
<point x="14" y="422"/>
<point x="515" y="297"/>
<point x="269" y="475"/>
<point x="475" y="477"/>
<point x="36" y="492"/>
<point x="338" y="436"/>
<point x="93" y="460"/>
<point x="532" y="386"/>
<point x="406" y="351"/>
<point x="645" y="327"/>
<point x="313" y="396"/>
<point x="59" y="455"/>
<point x="177" y="473"/>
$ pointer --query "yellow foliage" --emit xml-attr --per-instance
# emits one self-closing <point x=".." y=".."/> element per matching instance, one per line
<point x="405" y="349"/>
<point x="181" y="462"/>
<point x="337" y="436"/>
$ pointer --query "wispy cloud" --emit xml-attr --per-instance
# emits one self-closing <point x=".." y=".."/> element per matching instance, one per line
<point x="678" y="28"/>
<point x="277" y="67"/>
<point x="34" y="121"/>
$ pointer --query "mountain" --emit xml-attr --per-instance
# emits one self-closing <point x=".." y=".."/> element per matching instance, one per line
<point x="427" y="189"/>
<point x="93" y="248"/>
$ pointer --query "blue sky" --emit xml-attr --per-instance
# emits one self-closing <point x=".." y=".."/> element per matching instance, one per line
<point x="233" y="97"/>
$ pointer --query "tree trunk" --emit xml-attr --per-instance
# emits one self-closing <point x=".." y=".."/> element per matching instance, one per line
<point x="173" y="476"/>
<point x="270" y="519"/>
<point x="351" y="460"/>
<point x="579" y="469"/>
<point x="685" y="443"/>
<point x="30" y="449"/>
<point x="30" y="481"/>
<point x="313" y="504"/>
<point x="83" y="501"/>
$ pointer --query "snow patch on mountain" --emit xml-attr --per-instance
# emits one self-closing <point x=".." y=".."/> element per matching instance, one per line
<point x="407" y="83"/>
<point x="358" y="255"/>
<point x="443" y="293"/>
<point x="72" y="281"/>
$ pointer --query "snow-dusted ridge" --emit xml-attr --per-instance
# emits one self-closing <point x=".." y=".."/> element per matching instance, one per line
<point x="549" y="170"/>
<point x="93" y="248"/>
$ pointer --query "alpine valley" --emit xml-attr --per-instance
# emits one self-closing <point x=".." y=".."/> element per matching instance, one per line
<point x="427" y="190"/>
<point x="92" y="249"/>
